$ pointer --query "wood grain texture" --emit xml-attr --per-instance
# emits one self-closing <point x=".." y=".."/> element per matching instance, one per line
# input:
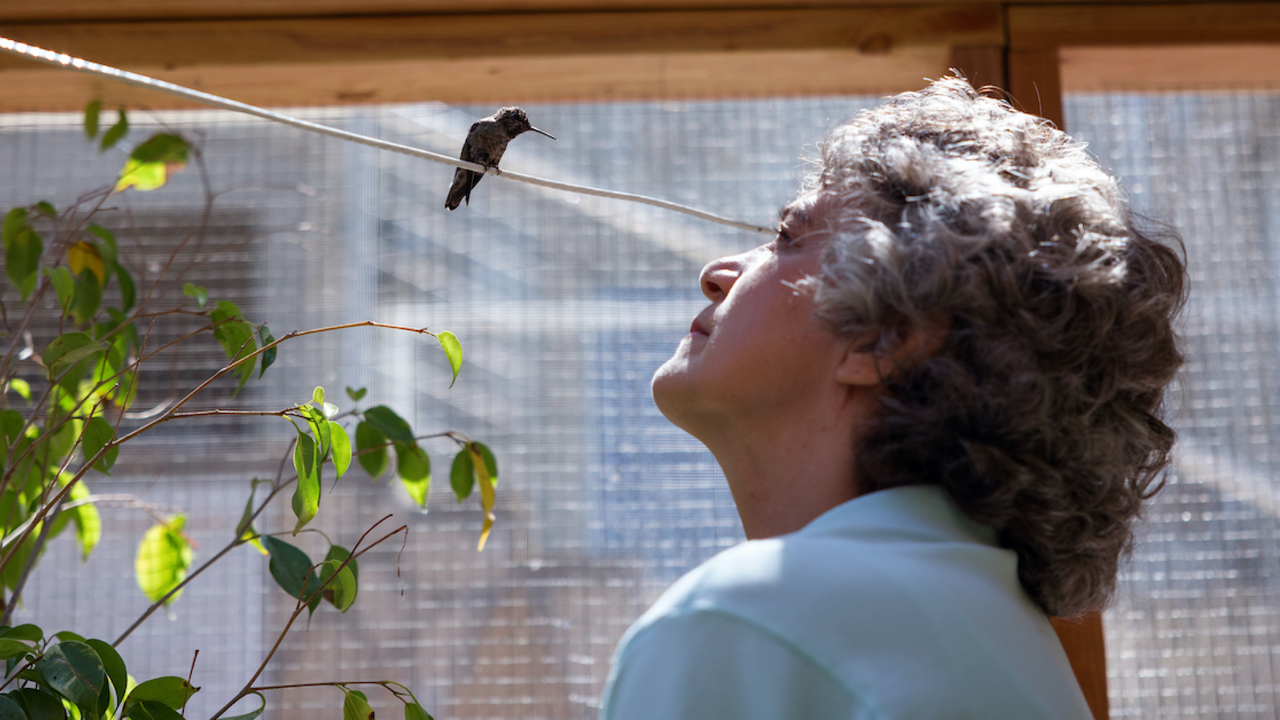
<point x="1032" y="27"/>
<point x="474" y="58"/>
<point x="1170" y="68"/>
<point x="81" y="10"/>
<point x="1082" y="640"/>
<point x="1035" y="83"/>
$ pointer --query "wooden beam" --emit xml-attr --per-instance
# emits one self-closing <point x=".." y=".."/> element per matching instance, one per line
<point x="1170" y="68"/>
<point x="93" y="10"/>
<point x="475" y="58"/>
<point x="1033" y="27"/>
<point x="982" y="65"/>
<point x="1035" y="83"/>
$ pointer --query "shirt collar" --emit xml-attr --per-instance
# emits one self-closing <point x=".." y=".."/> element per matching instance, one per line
<point x="921" y="512"/>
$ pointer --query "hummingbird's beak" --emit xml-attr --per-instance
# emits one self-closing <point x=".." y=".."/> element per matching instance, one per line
<point x="553" y="137"/>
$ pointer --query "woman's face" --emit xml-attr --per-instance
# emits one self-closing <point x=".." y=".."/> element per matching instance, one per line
<point x="757" y="351"/>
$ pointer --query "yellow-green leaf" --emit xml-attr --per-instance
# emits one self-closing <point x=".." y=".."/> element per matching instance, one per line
<point x="164" y="556"/>
<point x="487" y="495"/>
<point x="453" y="351"/>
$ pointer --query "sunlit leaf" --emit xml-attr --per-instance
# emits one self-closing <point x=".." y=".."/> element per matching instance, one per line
<point x="341" y="590"/>
<point x="151" y="163"/>
<point x="74" y="671"/>
<point x="87" y="520"/>
<point x="391" y="424"/>
<point x="317" y="395"/>
<point x="96" y="435"/>
<point x="306" y="494"/>
<point x="24" y="632"/>
<point x="236" y="337"/>
<point x="414" y="711"/>
<point x="356" y="707"/>
<point x="22" y="387"/>
<point x="269" y="355"/>
<point x="319" y="426"/>
<point x="68" y="349"/>
<point x="453" y="351"/>
<point x="341" y="448"/>
<point x="356" y="395"/>
<point x="196" y="292"/>
<point x="92" y="114"/>
<point x="115" y="132"/>
<point x="113" y="664"/>
<point x="171" y="691"/>
<point x="82" y="256"/>
<point x="413" y="465"/>
<point x="164" y="556"/>
<point x="487" y="495"/>
<point x="371" y="449"/>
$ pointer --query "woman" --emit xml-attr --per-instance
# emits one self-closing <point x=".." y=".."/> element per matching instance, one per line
<point x="936" y="398"/>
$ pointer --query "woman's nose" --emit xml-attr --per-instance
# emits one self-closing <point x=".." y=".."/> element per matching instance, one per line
<point x="720" y="275"/>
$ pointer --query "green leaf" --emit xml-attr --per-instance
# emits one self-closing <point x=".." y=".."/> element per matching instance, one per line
<point x="163" y="558"/>
<point x="151" y="710"/>
<point x="151" y="163"/>
<point x="86" y="518"/>
<point x="414" y="711"/>
<point x="87" y="297"/>
<point x="290" y="567"/>
<point x="68" y="349"/>
<point x="339" y="553"/>
<point x="197" y="292"/>
<point x="170" y="691"/>
<point x="413" y="465"/>
<point x="269" y="355"/>
<point x="75" y="671"/>
<point x="12" y="648"/>
<point x="15" y="221"/>
<point x="371" y="449"/>
<point x="341" y="449"/>
<point x="490" y="462"/>
<point x="391" y="424"/>
<point x="38" y="704"/>
<point x="306" y="495"/>
<point x="319" y="426"/>
<point x="65" y="635"/>
<point x="244" y="525"/>
<point x="236" y="337"/>
<point x="96" y="435"/>
<point x="22" y="259"/>
<point x="64" y="285"/>
<point x="356" y="395"/>
<point x="115" y="132"/>
<point x="356" y="707"/>
<point x="22" y="387"/>
<point x="462" y="476"/>
<point x="453" y="351"/>
<point x="341" y="590"/>
<point x="113" y="664"/>
<point x="10" y="710"/>
<point x="128" y="292"/>
<point x="24" y="632"/>
<point x="317" y="395"/>
<point x="92" y="114"/>
<point x="46" y="208"/>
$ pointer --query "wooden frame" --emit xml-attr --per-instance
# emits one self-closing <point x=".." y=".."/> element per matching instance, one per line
<point x="324" y="52"/>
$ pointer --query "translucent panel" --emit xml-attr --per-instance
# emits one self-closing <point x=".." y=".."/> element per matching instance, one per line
<point x="1196" y="629"/>
<point x="564" y="304"/>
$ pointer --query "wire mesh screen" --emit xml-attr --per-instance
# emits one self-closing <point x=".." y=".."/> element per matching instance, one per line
<point x="565" y="305"/>
<point x="1196" y="629"/>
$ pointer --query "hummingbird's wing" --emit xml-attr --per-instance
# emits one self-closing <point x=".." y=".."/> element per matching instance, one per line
<point x="464" y="180"/>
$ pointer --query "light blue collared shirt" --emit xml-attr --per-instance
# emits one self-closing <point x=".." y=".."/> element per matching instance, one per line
<point x="893" y="605"/>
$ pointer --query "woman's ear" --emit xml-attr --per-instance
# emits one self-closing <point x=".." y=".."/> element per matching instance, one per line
<point x="884" y="354"/>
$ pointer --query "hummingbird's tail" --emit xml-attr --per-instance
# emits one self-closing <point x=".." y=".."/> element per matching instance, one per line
<point x="463" y="182"/>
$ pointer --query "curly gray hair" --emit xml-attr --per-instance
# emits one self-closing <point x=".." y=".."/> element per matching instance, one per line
<point x="1040" y="412"/>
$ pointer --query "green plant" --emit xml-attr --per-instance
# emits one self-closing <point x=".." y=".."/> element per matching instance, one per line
<point x="72" y="395"/>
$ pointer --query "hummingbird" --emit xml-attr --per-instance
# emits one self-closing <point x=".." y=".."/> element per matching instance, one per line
<point x="486" y="142"/>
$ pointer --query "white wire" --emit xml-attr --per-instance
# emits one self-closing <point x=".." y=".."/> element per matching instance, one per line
<point x="131" y="78"/>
